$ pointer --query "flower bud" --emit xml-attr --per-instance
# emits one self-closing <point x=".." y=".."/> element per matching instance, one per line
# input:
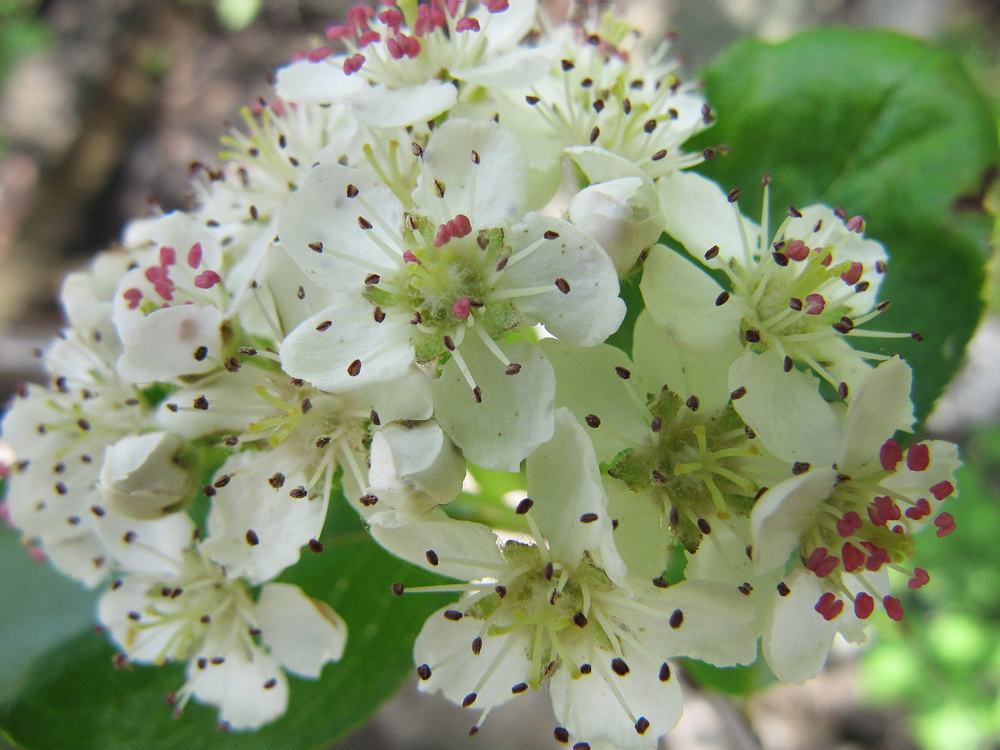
<point x="414" y="469"/>
<point x="623" y="215"/>
<point x="141" y="476"/>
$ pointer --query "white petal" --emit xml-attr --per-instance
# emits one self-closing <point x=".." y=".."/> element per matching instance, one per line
<point x="570" y="506"/>
<point x="465" y="550"/>
<point x="591" y="711"/>
<point x="785" y="409"/>
<point x="149" y="547"/>
<point x="325" y="81"/>
<point x="302" y="633"/>
<point x="414" y="467"/>
<point x="324" y="355"/>
<point x="687" y="372"/>
<point x="162" y="345"/>
<point x="490" y="193"/>
<point x="681" y="298"/>
<point x="600" y="165"/>
<point x="699" y="215"/>
<point x="141" y="476"/>
<point x="798" y="638"/>
<point x="321" y="212"/>
<point x="515" y="69"/>
<point x="516" y="412"/>
<point x="880" y="407"/>
<point x="237" y="687"/>
<point x="256" y="527"/>
<point x="590" y="310"/>
<point x="587" y="383"/>
<point x="384" y="107"/>
<point x="446" y="647"/>
<point x="784" y="513"/>
<point x="622" y="215"/>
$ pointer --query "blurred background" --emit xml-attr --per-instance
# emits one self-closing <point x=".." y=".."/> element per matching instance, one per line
<point x="104" y="104"/>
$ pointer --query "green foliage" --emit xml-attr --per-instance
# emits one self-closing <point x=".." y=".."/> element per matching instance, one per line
<point x="943" y="662"/>
<point x="889" y="127"/>
<point x="73" y="697"/>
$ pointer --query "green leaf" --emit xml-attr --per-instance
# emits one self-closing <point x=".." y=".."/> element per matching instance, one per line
<point x="73" y="697"/>
<point x="889" y="127"/>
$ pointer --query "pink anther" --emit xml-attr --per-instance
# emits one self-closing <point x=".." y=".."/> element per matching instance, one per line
<point x="353" y="63"/>
<point x="829" y="606"/>
<point x="462" y="307"/>
<point x="945" y="523"/>
<point x="854" y="558"/>
<point x="194" y="255"/>
<point x="941" y="490"/>
<point x="467" y="23"/>
<point x="853" y="274"/>
<point x="796" y="250"/>
<point x="320" y="53"/>
<point x="864" y="605"/>
<point x="893" y="608"/>
<point x="814" y="304"/>
<point x="207" y="279"/>
<point x="890" y="454"/>
<point x="920" y="578"/>
<point x="918" y="457"/>
<point x="134" y="296"/>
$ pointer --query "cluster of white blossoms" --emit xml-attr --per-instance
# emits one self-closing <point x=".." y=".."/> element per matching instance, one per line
<point x="377" y="292"/>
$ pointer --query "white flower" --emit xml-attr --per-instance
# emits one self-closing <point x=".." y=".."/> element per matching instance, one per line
<point x="237" y="649"/>
<point x="850" y="510"/>
<point x="142" y="476"/>
<point x="169" y="308"/>
<point x="270" y="498"/>
<point x="680" y="460"/>
<point x="801" y="293"/>
<point x="554" y="613"/>
<point x="622" y="214"/>
<point x="407" y="64"/>
<point x="445" y="277"/>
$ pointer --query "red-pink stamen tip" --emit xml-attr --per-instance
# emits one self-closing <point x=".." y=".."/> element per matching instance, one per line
<point x="853" y="274"/>
<point x="920" y="509"/>
<point x="829" y="606"/>
<point x="864" y="605"/>
<point x="918" y="457"/>
<point x="467" y="24"/>
<point x="462" y="307"/>
<point x="207" y="279"/>
<point x="920" y="578"/>
<point x="134" y="296"/>
<point x="368" y="37"/>
<point x="941" y="490"/>
<point x="409" y="257"/>
<point x="796" y="250"/>
<point x="945" y="523"/>
<point x="320" y="53"/>
<point x="893" y="608"/>
<point x="815" y="304"/>
<point x="353" y="63"/>
<point x="338" y="32"/>
<point x="168" y="256"/>
<point x="890" y="454"/>
<point x="856" y="224"/>
<point x="854" y="558"/>
<point x="194" y="255"/>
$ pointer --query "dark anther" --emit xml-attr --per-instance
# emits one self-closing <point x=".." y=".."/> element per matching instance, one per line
<point x="524" y="506"/>
<point x="676" y="619"/>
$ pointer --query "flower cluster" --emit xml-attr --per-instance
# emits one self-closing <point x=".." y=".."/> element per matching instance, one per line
<point x="378" y="297"/>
